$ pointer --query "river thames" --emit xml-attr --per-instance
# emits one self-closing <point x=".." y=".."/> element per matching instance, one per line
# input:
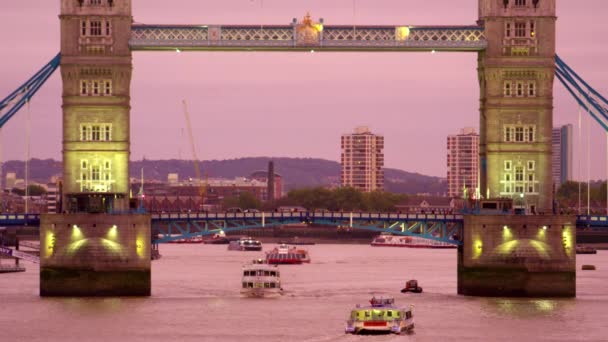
<point x="195" y="297"/>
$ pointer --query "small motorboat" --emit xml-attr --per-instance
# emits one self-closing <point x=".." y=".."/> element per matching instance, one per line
<point x="585" y="250"/>
<point x="412" y="286"/>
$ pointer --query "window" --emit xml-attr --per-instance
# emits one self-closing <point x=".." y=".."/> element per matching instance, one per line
<point x="531" y="183"/>
<point x="107" y="133"/>
<point x="508" y="30"/>
<point x="83" y="164"/>
<point x="520" y="3"/>
<point x="107" y="87"/>
<point x="95" y="173"/>
<point x="532" y="29"/>
<point x="531" y="165"/>
<point x="519" y="174"/>
<point x="519" y="134"/>
<point x="520" y="30"/>
<point x="95" y="2"/>
<point x="96" y="87"/>
<point x="529" y="133"/>
<point x="532" y="89"/>
<point x="519" y="188"/>
<point x="83" y="28"/>
<point x="108" y="28"/>
<point x="508" y="164"/>
<point x="95" y="133"/>
<point x="507" y="89"/>
<point x="84" y="88"/>
<point x="95" y="27"/>
<point x="509" y="133"/>
<point x="520" y="89"/>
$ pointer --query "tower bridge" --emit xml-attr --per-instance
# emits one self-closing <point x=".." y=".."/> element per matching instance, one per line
<point x="514" y="42"/>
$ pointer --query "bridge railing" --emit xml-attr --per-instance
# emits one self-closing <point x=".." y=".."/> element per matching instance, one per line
<point x="305" y="215"/>
<point x="34" y="219"/>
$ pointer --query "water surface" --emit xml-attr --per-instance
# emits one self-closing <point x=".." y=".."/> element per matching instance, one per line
<point x="195" y="297"/>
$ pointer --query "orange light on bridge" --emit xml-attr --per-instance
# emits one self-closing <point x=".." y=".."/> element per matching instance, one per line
<point x="403" y="32"/>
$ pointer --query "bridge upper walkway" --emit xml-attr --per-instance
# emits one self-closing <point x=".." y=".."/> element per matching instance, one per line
<point x="327" y="38"/>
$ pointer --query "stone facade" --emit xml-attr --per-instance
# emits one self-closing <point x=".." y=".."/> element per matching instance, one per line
<point x="95" y="255"/>
<point x="517" y="255"/>
<point x="516" y="74"/>
<point x="96" y="70"/>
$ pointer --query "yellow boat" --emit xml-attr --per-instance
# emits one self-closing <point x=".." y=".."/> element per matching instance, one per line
<point x="380" y="316"/>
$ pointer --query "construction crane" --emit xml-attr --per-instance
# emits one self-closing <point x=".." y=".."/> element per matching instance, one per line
<point x="197" y="170"/>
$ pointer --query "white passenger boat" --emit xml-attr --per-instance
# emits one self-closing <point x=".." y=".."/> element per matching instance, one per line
<point x="284" y="254"/>
<point x="245" y="244"/>
<point x="261" y="280"/>
<point x="381" y="316"/>
<point x="390" y="240"/>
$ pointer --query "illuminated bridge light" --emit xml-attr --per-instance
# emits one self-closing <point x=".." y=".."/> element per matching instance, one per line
<point x="113" y="232"/>
<point x="50" y="244"/>
<point x="403" y="32"/>
<point x="76" y="233"/>
<point x="139" y="247"/>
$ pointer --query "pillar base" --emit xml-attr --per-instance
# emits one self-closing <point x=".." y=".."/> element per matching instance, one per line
<point x="68" y="282"/>
<point x="518" y="256"/>
<point x="95" y="255"/>
<point x="515" y="282"/>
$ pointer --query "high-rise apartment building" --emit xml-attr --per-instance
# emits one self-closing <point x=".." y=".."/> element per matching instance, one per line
<point x="463" y="163"/>
<point x="363" y="160"/>
<point x="562" y="155"/>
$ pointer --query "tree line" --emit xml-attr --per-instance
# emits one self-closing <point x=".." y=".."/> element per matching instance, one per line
<point x="567" y="196"/>
<point x="320" y="198"/>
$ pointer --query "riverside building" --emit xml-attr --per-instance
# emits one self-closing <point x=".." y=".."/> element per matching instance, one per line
<point x="463" y="165"/>
<point x="362" y="160"/>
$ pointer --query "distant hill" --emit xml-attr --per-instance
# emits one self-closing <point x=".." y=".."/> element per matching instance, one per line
<point x="296" y="172"/>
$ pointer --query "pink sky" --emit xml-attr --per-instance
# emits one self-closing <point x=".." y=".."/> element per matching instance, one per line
<point x="293" y="104"/>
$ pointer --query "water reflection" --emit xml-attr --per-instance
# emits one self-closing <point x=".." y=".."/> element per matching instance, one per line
<point x="98" y="306"/>
<point x="528" y="308"/>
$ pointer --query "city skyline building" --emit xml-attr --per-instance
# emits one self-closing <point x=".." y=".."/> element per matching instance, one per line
<point x="463" y="163"/>
<point x="362" y="160"/>
<point x="562" y="140"/>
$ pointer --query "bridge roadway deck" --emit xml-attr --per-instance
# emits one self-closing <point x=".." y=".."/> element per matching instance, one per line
<point x="327" y="38"/>
<point x="33" y="220"/>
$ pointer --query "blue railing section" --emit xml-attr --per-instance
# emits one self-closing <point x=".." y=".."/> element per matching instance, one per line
<point x="33" y="220"/>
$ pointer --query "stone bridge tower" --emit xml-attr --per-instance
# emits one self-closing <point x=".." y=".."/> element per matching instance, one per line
<point x="96" y="71"/>
<point x="516" y="74"/>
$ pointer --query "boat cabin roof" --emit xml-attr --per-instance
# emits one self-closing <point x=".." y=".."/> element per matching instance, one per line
<point x="379" y="304"/>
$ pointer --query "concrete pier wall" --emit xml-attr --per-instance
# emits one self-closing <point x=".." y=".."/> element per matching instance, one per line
<point x="517" y="255"/>
<point x="95" y="255"/>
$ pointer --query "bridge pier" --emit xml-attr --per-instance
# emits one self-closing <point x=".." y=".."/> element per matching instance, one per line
<point x="95" y="255"/>
<point x="518" y="256"/>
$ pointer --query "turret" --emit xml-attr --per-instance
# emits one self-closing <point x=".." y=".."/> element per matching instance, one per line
<point x="516" y="80"/>
<point x="96" y="71"/>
